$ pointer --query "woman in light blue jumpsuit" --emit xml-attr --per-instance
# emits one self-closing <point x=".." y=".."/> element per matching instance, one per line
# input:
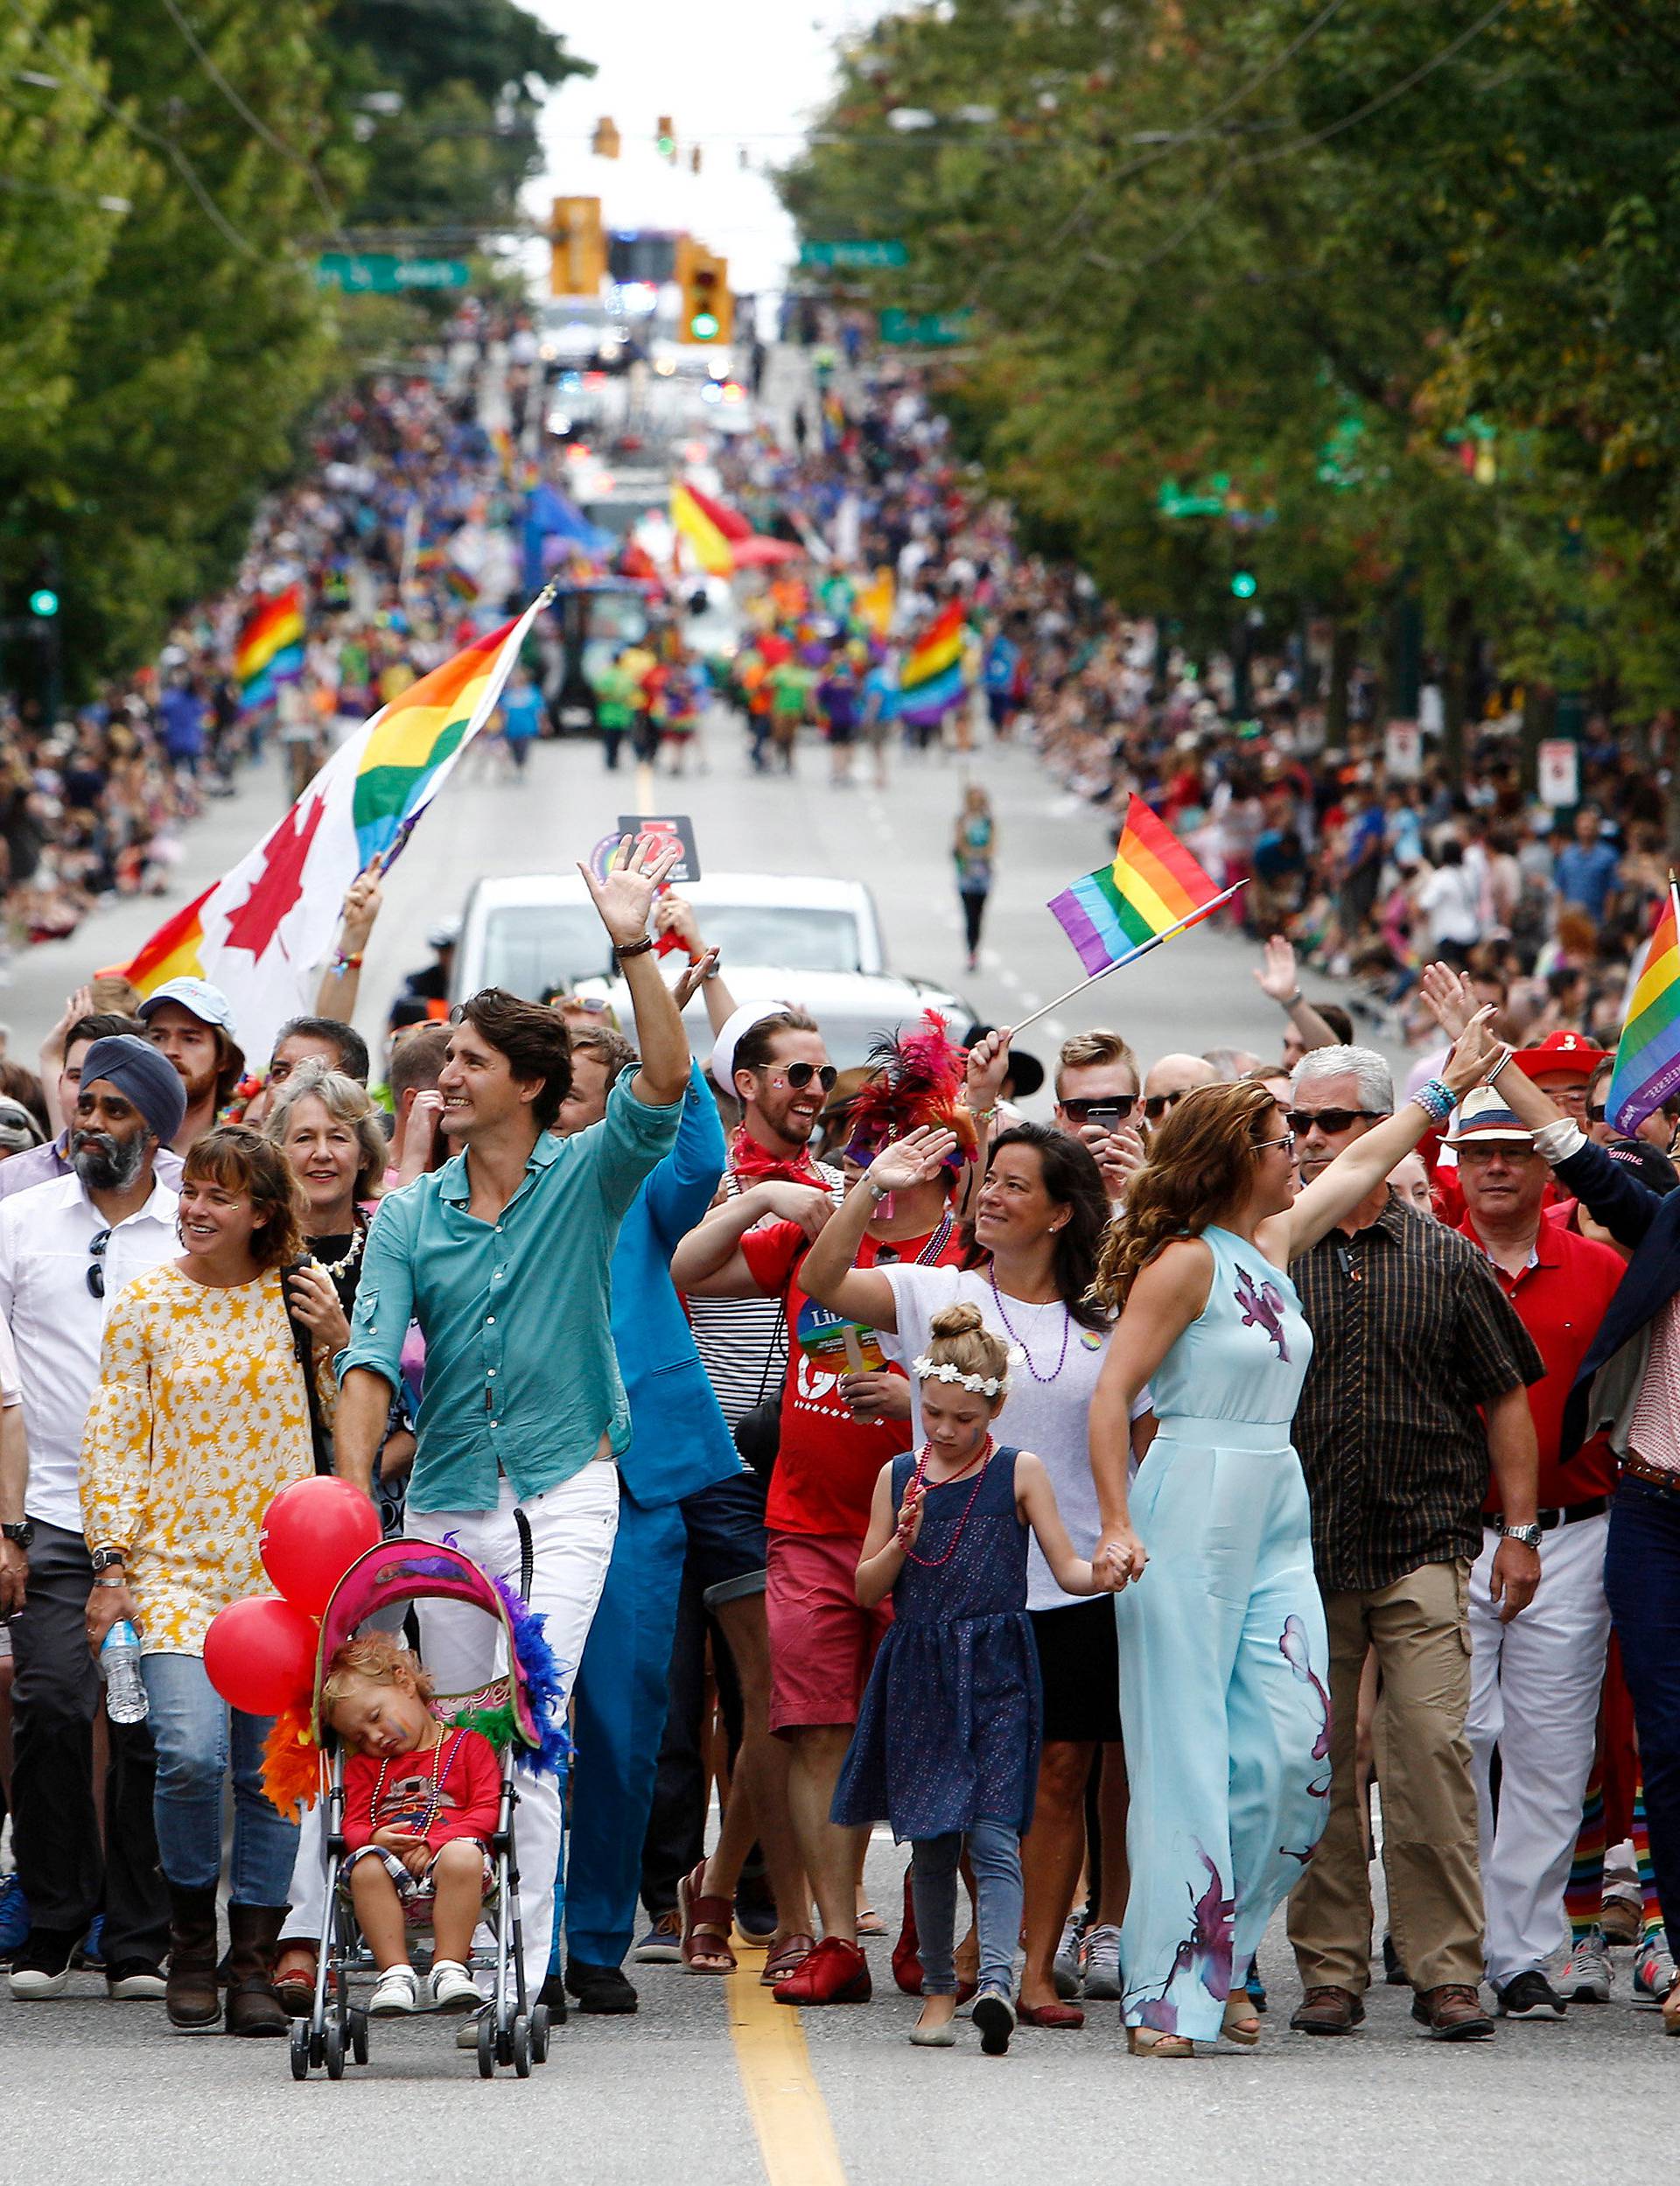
<point x="1224" y="1663"/>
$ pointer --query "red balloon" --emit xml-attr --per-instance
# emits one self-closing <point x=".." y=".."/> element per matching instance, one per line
<point x="313" y="1532"/>
<point x="260" y="1654"/>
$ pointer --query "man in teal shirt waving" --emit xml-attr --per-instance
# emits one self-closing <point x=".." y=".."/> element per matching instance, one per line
<point x="503" y="1255"/>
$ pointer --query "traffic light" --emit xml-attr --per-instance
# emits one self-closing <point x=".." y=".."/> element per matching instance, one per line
<point x="1243" y="584"/>
<point x="43" y="601"/>
<point x="708" y="307"/>
<point x="665" y="138"/>
<point x="577" y="261"/>
<point x="605" y="141"/>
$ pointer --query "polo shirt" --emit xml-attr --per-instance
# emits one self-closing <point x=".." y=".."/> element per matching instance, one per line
<point x="1560" y="1297"/>
<point x="522" y="1375"/>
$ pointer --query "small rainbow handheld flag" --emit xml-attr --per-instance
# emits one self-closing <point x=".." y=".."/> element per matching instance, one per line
<point x="1648" y="1054"/>
<point x="269" y="648"/>
<point x="1153" y="888"/>
<point x="930" y="681"/>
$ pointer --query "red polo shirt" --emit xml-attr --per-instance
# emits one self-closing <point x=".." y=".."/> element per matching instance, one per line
<point x="1560" y="1299"/>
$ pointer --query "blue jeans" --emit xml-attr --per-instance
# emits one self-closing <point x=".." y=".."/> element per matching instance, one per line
<point x="995" y="1856"/>
<point x="196" y="1733"/>
<point x="1641" y="1581"/>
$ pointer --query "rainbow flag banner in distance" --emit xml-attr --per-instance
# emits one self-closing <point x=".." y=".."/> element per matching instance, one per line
<point x="269" y="650"/>
<point x="263" y="930"/>
<point x="930" y="679"/>
<point x="1648" y="1054"/>
<point x="1154" y="886"/>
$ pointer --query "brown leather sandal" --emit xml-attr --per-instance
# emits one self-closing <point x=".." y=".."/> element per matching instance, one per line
<point x="785" y="1957"/>
<point x="706" y="1925"/>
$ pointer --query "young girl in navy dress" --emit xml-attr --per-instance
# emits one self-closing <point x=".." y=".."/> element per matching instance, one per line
<point x="947" y="1743"/>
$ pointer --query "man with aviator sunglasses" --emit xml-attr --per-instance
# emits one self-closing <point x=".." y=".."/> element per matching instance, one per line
<point x="66" y="1248"/>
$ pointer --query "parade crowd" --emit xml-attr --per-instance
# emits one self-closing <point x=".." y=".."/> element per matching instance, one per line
<point x="1156" y="1515"/>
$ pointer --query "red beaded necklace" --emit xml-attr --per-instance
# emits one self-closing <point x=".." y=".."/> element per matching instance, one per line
<point x="918" y="1488"/>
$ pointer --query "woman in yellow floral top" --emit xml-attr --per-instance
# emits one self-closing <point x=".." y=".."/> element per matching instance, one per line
<point x="201" y="1416"/>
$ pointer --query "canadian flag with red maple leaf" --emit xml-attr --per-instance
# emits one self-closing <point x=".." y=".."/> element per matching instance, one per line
<point x="262" y="933"/>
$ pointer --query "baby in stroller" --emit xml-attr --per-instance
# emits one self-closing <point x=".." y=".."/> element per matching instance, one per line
<point x="421" y="1801"/>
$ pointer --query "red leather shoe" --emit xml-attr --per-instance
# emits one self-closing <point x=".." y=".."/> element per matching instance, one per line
<point x="835" y="1972"/>
<point x="906" y="1953"/>
<point x="1065" y="2018"/>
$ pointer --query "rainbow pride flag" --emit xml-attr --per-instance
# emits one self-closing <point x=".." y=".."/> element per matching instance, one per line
<point x="1154" y="887"/>
<point x="269" y="648"/>
<point x="930" y="679"/>
<point x="262" y="930"/>
<point x="1648" y="1054"/>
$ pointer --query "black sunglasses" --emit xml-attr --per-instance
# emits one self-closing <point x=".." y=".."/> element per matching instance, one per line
<point x="1158" y="1104"/>
<point x="1596" y="1111"/>
<point x="1329" y="1120"/>
<point x="1118" y="1105"/>
<point x="799" y="1074"/>
<point x="96" y="1266"/>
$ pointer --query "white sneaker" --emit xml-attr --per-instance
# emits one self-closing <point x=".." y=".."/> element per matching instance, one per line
<point x="1102" y="1966"/>
<point x="397" y="1994"/>
<point x="1587" y="1977"/>
<point x="452" y="1988"/>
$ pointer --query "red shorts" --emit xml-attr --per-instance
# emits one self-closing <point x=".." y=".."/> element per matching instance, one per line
<point x="822" y="1644"/>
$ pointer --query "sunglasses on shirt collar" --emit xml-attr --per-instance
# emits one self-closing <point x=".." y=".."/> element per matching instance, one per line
<point x="97" y="1245"/>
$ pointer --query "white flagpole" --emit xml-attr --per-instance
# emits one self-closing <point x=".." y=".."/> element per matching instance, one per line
<point x="1202" y="911"/>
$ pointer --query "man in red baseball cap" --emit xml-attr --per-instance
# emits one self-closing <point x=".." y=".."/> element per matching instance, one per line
<point x="1562" y="1067"/>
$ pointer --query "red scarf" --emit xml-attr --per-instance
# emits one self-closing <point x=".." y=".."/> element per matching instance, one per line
<point x="755" y="1164"/>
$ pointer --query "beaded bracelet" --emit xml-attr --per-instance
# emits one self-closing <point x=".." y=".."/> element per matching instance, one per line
<point x="1436" y="1100"/>
<point x="341" y="963"/>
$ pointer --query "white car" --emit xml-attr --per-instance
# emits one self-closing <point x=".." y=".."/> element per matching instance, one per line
<point x="796" y="938"/>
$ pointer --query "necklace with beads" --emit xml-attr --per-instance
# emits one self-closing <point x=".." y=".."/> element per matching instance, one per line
<point x="918" y="1488"/>
<point x="349" y="1258"/>
<point x="1066" y="1330"/>
<point x="439" y="1777"/>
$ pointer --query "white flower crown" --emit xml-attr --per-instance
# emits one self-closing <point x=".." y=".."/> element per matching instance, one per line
<point x="981" y="1384"/>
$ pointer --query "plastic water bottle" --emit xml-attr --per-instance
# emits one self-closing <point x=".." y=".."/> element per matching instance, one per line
<point x="119" y="1662"/>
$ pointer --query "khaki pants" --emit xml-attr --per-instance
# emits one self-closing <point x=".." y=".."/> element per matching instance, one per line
<point x="1420" y="1629"/>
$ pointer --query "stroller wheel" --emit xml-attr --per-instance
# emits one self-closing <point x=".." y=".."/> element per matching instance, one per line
<point x="300" y="2048"/>
<point x="540" y="2035"/>
<point x="522" y="2046"/>
<point x="335" y="2049"/>
<point x="487" y="2044"/>
<point x="316" y="2048"/>
<point x="359" y="2034"/>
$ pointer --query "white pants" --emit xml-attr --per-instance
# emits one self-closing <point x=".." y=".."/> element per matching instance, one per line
<point x="572" y="1529"/>
<point x="1535" y="1685"/>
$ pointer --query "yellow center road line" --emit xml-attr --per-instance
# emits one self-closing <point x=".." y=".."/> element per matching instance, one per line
<point x="795" y="2134"/>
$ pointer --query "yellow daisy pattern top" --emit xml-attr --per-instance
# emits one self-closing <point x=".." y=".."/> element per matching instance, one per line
<point x="199" y="1420"/>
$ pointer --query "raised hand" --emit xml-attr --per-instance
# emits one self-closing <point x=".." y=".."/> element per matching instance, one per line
<point x="1277" y="976"/>
<point x="625" y="899"/>
<point x="988" y="1066"/>
<point x="915" y="1158"/>
<point x="693" y="977"/>
<point x="1473" y="1054"/>
<point x="1449" y="997"/>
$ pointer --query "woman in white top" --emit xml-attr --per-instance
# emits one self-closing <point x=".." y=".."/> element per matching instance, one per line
<point x="1039" y="1226"/>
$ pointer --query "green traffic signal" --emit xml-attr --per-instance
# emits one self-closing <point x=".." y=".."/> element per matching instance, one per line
<point x="43" y="601"/>
<point x="1244" y="585"/>
<point x="704" y="326"/>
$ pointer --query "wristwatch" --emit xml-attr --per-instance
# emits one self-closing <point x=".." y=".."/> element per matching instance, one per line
<point x="1529" y="1535"/>
<point x="102" y="1558"/>
<point x="23" y="1533"/>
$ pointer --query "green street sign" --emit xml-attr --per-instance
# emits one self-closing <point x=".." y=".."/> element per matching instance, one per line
<point x="382" y="273"/>
<point x="858" y="255"/>
<point x="924" y="330"/>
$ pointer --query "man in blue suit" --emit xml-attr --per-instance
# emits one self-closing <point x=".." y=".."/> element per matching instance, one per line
<point x="679" y="1445"/>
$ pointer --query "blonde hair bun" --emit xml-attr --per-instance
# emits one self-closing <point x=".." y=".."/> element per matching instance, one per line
<point x="956" y="1321"/>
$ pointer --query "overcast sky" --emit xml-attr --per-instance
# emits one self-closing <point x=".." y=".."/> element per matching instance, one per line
<point x="733" y="75"/>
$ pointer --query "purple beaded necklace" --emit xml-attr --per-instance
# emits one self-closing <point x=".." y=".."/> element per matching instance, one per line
<point x="1020" y="1341"/>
